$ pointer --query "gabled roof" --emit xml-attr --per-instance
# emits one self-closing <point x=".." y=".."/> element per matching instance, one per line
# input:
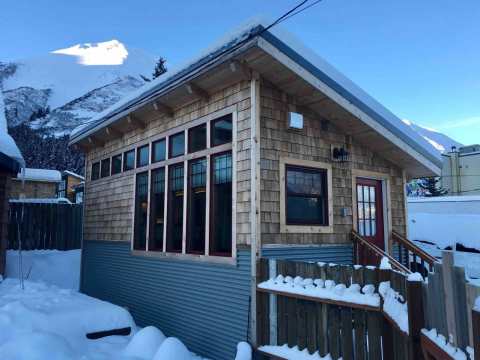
<point x="10" y="156"/>
<point x="315" y="71"/>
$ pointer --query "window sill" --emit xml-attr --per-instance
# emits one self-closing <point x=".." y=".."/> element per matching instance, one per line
<point x="303" y="229"/>
<point x="186" y="257"/>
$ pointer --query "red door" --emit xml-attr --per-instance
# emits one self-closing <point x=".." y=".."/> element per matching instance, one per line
<point x="370" y="214"/>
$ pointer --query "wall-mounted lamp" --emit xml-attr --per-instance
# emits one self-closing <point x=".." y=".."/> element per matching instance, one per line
<point x="339" y="154"/>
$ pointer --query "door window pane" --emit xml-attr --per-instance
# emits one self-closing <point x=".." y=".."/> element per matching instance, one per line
<point x="221" y="206"/>
<point x="95" y="171"/>
<point x="306" y="201"/>
<point x="142" y="156"/>
<point x="158" y="150"/>
<point x="129" y="160"/>
<point x="116" y="164"/>
<point x="175" y="208"/>
<point x="105" y="168"/>
<point x="221" y="130"/>
<point x="141" y="204"/>
<point x="157" y="199"/>
<point x="177" y="145"/>
<point x="197" y="138"/>
<point x="197" y="206"/>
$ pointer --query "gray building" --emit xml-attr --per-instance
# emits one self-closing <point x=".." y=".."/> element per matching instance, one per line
<point x="461" y="171"/>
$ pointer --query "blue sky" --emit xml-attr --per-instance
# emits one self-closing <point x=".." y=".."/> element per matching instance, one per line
<point x="421" y="59"/>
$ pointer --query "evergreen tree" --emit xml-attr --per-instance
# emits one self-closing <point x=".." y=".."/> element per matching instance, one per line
<point x="430" y="185"/>
<point x="160" y="68"/>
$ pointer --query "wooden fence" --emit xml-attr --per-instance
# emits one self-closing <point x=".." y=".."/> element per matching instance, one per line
<point x="45" y="226"/>
<point x="353" y="331"/>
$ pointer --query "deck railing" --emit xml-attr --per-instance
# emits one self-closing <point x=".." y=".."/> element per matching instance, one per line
<point x="412" y="256"/>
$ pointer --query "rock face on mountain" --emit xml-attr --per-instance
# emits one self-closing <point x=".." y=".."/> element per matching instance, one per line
<point x="47" y="96"/>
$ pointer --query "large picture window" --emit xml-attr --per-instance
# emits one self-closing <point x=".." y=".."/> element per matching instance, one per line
<point x="175" y="208"/>
<point x="221" y="207"/>
<point x="141" y="205"/>
<point x="306" y="196"/>
<point x="197" y="183"/>
<point x="157" y="206"/>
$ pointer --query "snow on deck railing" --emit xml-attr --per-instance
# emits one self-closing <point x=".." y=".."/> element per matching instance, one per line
<point x="446" y="346"/>
<point x="323" y="289"/>
<point x="286" y="352"/>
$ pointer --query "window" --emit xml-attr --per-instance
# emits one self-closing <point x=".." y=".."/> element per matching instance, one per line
<point x="95" y="171"/>
<point x="306" y="196"/>
<point x="197" y="138"/>
<point x="366" y="210"/>
<point x="129" y="160"/>
<point x="142" y="156"/>
<point x="158" y="151"/>
<point x="221" y="206"/>
<point x="157" y="206"/>
<point x="221" y="130"/>
<point x="116" y="164"/>
<point x="141" y="204"/>
<point x="177" y="145"/>
<point x="175" y="208"/>
<point x="196" y="206"/>
<point x="105" y="168"/>
<point x="295" y="120"/>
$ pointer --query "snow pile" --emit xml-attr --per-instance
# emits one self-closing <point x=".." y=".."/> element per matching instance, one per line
<point x="7" y="144"/>
<point x="244" y="351"/>
<point x="442" y="342"/>
<point x="321" y="289"/>
<point x="46" y="322"/>
<point x="30" y="174"/>
<point x="293" y="353"/>
<point x="44" y="265"/>
<point x="394" y="305"/>
<point x="415" y="277"/>
<point x="385" y="264"/>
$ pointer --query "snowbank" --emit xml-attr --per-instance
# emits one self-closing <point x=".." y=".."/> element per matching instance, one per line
<point x="60" y="268"/>
<point x="293" y="353"/>
<point x="323" y="289"/>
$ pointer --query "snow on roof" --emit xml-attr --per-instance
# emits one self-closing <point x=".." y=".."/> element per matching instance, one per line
<point x="7" y="144"/>
<point x="297" y="50"/>
<point x="60" y="200"/>
<point x="71" y="173"/>
<point x="444" y="199"/>
<point x="39" y="175"/>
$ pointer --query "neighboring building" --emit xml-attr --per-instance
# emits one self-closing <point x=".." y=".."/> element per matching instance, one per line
<point x="67" y="187"/>
<point x="36" y="184"/>
<point x="78" y="192"/>
<point x="10" y="162"/>
<point x="259" y="148"/>
<point x="461" y="171"/>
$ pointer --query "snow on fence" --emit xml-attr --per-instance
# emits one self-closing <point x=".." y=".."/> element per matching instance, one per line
<point x="43" y="226"/>
<point x="365" y="312"/>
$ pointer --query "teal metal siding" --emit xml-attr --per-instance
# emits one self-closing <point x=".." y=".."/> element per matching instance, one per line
<point x="338" y="254"/>
<point x="204" y="304"/>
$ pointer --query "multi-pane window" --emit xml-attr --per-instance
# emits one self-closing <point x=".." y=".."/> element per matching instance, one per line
<point x="158" y="151"/>
<point x="175" y="208"/>
<point x="142" y="156"/>
<point x="306" y="196"/>
<point x="221" y="207"/>
<point x="141" y="205"/>
<point x="176" y="145"/>
<point x="105" y="168"/>
<point x="129" y="160"/>
<point x="197" y="138"/>
<point x="366" y="210"/>
<point x="95" y="171"/>
<point x="157" y="206"/>
<point x="197" y="183"/>
<point x="221" y="130"/>
<point x="116" y="164"/>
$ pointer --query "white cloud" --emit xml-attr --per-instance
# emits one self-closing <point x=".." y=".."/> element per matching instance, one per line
<point x="461" y="123"/>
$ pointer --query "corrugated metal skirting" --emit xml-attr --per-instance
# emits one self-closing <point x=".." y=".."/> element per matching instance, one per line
<point x="203" y="304"/>
<point x="338" y="254"/>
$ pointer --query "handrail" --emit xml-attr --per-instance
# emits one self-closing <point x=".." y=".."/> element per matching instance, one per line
<point x="410" y="245"/>
<point x="380" y="253"/>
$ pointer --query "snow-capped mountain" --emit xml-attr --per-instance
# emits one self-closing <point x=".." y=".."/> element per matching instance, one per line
<point x="441" y="142"/>
<point x="66" y="87"/>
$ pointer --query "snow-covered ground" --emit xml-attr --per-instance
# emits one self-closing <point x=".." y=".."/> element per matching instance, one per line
<point x="44" y="322"/>
<point x="60" y="268"/>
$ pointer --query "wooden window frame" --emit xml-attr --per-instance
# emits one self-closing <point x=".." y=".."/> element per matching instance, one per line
<point x="305" y="228"/>
<point x="185" y="159"/>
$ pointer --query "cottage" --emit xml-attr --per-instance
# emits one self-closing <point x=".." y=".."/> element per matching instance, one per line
<point x="36" y="184"/>
<point x="259" y="148"/>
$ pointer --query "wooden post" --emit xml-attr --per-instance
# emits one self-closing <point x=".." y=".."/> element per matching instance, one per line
<point x="387" y="330"/>
<point x="476" y="332"/>
<point x="416" y="319"/>
<point x="448" y="286"/>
